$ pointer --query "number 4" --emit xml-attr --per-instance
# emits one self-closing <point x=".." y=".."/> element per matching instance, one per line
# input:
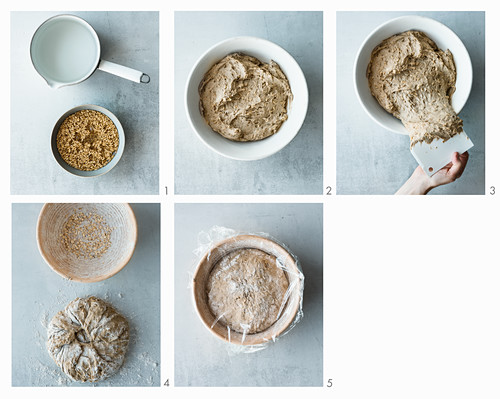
<point x="167" y="383"/>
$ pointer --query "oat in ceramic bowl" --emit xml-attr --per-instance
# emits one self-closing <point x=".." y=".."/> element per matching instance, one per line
<point x="88" y="141"/>
<point x="87" y="242"/>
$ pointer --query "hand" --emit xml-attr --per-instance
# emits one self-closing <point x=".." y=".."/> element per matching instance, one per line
<point x="451" y="171"/>
<point x="420" y="183"/>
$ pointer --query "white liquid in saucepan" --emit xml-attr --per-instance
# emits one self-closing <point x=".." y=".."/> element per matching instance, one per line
<point x="65" y="51"/>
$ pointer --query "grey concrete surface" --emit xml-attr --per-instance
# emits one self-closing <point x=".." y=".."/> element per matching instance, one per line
<point x="372" y="160"/>
<point x="127" y="38"/>
<point x="297" y="168"/>
<point x="38" y="293"/>
<point x="295" y="359"/>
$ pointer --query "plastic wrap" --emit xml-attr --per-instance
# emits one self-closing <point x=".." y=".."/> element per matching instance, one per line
<point x="238" y="295"/>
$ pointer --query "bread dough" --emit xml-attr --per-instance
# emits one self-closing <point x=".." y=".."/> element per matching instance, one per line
<point x="246" y="290"/>
<point x="414" y="80"/>
<point x="244" y="99"/>
<point x="88" y="339"/>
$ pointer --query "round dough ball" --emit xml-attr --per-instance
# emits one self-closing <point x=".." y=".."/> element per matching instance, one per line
<point x="88" y="339"/>
<point x="246" y="290"/>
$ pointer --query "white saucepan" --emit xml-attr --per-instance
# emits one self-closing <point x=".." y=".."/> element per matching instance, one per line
<point x="65" y="50"/>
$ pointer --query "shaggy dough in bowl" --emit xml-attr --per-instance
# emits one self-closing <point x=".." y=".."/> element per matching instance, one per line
<point x="414" y="80"/>
<point x="88" y="339"/>
<point x="244" y="99"/>
<point x="246" y="290"/>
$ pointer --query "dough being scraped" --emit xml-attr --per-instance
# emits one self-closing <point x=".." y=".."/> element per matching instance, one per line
<point x="414" y="80"/>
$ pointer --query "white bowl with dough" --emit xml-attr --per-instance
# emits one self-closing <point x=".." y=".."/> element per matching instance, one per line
<point x="265" y="51"/>
<point x="444" y="38"/>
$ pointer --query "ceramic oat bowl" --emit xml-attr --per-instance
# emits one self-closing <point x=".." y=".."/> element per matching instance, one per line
<point x="106" y="115"/>
<point x="291" y="304"/>
<point x="86" y="242"/>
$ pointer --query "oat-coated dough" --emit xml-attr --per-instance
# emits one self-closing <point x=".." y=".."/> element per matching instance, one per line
<point x="88" y="339"/>
<point x="246" y="289"/>
<point x="244" y="99"/>
<point x="414" y="80"/>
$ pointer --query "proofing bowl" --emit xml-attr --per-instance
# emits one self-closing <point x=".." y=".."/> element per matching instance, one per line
<point x="444" y="38"/>
<point x="213" y="256"/>
<point x="50" y="228"/>
<point x="88" y="173"/>
<point x="265" y="51"/>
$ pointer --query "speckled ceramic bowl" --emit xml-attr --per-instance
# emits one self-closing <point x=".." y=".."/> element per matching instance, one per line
<point x="123" y="238"/>
<point x="206" y="265"/>
<point x="88" y="173"/>
<point x="444" y="38"/>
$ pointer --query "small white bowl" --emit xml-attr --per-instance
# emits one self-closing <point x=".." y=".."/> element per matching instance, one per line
<point x="88" y="173"/>
<point x="265" y="51"/>
<point x="444" y="38"/>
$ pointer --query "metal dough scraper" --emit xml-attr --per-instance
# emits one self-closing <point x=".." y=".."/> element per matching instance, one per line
<point x="432" y="157"/>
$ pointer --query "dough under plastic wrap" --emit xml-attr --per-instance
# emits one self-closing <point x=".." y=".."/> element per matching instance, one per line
<point x="246" y="290"/>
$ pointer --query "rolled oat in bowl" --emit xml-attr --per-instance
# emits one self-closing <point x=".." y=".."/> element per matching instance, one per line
<point x="87" y="140"/>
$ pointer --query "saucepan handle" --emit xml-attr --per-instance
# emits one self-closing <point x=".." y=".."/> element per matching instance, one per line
<point x="123" y="72"/>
